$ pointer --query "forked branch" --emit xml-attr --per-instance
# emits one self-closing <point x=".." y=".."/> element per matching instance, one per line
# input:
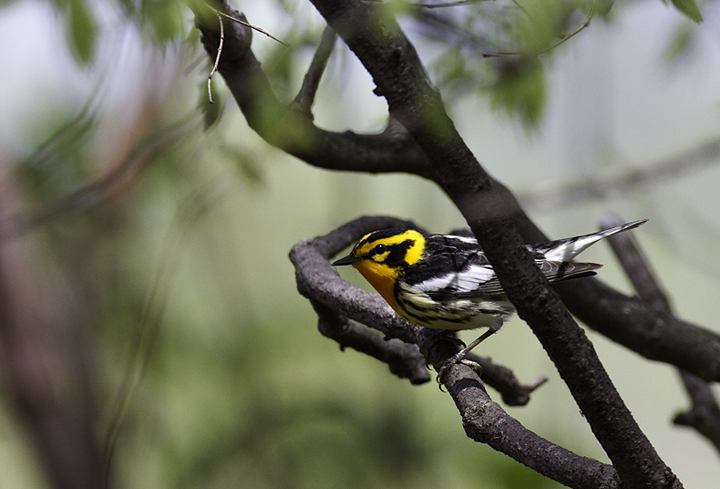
<point x="655" y="335"/>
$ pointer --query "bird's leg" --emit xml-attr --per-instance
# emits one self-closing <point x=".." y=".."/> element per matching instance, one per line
<point x="442" y="334"/>
<point x="459" y="357"/>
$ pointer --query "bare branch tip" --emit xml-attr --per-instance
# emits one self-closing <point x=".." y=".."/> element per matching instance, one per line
<point x="247" y="24"/>
<point x="217" y="57"/>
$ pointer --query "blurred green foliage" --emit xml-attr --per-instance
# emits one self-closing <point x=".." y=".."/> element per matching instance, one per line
<point x="81" y="29"/>
<point x="680" y="43"/>
<point x="520" y="88"/>
<point x="689" y="8"/>
<point x="206" y="356"/>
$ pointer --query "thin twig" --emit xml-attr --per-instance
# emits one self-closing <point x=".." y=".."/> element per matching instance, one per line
<point x="519" y="5"/>
<point x="246" y="24"/>
<point x="704" y="415"/>
<point x="196" y="206"/>
<point x="635" y="176"/>
<point x="553" y="46"/>
<point x="446" y="4"/>
<point x="306" y="96"/>
<point x="217" y="57"/>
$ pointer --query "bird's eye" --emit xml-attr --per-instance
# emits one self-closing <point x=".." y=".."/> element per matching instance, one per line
<point x="380" y="249"/>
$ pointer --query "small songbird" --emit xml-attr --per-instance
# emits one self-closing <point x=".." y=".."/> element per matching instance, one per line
<point x="446" y="282"/>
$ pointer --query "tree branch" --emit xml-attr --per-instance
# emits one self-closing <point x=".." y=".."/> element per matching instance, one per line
<point x="704" y="415"/>
<point x="45" y="362"/>
<point x="290" y="129"/>
<point x="400" y="77"/>
<point x="404" y="360"/>
<point x="306" y="96"/>
<point x="566" y="194"/>
<point x="484" y="421"/>
<point x="655" y="335"/>
<point x="600" y="307"/>
<point x="318" y="281"/>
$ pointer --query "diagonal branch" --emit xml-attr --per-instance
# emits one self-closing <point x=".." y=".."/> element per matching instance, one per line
<point x="567" y="194"/>
<point x="306" y="96"/>
<point x="624" y="319"/>
<point x="704" y="415"/>
<point x="400" y="77"/>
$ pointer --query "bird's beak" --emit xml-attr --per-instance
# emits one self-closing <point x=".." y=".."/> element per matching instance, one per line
<point x="346" y="260"/>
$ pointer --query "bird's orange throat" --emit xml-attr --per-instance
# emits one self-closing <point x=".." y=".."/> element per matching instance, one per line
<point x="381" y="277"/>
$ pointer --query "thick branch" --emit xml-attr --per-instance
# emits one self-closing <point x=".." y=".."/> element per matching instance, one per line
<point x="404" y="360"/>
<point x="483" y="419"/>
<point x="45" y="363"/>
<point x="632" y="323"/>
<point x="399" y="75"/>
<point x="644" y="330"/>
<point x="292" y="130"/>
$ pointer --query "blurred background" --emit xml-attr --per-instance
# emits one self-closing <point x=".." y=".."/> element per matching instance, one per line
<point x="166" y="222"/>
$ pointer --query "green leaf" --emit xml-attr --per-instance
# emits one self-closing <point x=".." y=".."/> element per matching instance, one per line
<point x="680" y="43"/>
<point x="520" y="88"/>
<point x="164" y="17"/>
<point x="689" y="8"/>
<point x="81" y="30"/>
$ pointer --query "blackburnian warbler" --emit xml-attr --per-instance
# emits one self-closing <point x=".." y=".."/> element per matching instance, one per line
<point x="446" y="282"/>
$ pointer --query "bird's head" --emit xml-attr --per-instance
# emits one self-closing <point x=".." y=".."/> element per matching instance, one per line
<point x="382" y="255"/>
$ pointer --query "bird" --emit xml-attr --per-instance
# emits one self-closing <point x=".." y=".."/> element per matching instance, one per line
<point x="446" y="282"/>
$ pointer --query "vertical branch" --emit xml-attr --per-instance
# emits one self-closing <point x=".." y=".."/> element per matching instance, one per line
<point x="45" y="361"/>
<point x="217" y="57"/>
<point x="704" y="415"/>
<point x="306" y="96"/>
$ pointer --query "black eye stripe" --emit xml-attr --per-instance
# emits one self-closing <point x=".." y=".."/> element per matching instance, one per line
<point x="396" y="255"/>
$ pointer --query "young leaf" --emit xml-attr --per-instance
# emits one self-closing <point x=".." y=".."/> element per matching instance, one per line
<point x="520" y="88"/>
<point x="689" y="8"/>
<point x="81" y="31"/>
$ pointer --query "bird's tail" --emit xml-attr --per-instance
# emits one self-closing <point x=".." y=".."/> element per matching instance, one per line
<point x="566" y="249"/>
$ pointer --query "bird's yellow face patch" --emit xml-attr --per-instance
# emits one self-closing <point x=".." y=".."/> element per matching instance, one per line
<point x="382" y="257"/>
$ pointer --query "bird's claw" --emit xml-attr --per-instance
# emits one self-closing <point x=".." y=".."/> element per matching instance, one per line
<point x="458" y="358"/>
